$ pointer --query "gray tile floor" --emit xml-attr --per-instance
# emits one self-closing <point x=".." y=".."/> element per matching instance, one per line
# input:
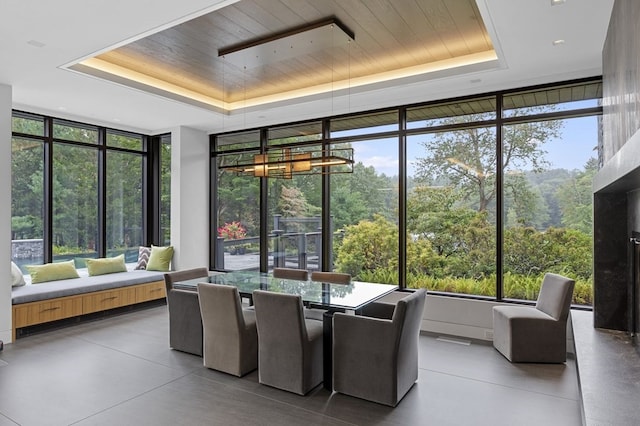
<point x="120" y="371"/>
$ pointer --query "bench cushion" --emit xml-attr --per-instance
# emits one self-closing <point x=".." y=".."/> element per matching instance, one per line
<point x="84" y="284"/>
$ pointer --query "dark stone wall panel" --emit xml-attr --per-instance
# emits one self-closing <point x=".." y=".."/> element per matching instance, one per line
<point x="610" y="261"/>
<point x="621" y="86"/>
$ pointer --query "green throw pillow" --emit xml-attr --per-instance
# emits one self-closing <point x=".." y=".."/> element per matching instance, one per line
<point x="52" y="272"/>
<point x="107" y="265"/>
<point x="160" y="258"/>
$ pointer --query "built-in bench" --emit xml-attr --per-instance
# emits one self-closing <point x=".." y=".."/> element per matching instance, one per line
<point x="55" y="300"/>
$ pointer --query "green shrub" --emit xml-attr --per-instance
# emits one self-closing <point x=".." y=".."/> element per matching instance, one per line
<point x="368" y="246"/>
<point x="528" y="251"/>
<point x="523" y="287"/>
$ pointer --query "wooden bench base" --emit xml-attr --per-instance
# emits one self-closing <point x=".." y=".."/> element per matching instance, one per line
<point x="43" y="311"/>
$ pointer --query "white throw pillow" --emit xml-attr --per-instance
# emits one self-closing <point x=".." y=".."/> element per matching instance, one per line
<point x="17" y="279"/>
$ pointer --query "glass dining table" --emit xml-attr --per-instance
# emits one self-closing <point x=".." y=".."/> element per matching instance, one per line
<point x="331" y="297"/>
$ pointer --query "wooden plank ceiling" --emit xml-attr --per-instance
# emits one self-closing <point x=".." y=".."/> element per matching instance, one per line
<point x="389" y="35"/>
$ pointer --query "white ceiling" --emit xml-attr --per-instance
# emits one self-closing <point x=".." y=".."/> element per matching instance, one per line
<point x="522" y="32"/>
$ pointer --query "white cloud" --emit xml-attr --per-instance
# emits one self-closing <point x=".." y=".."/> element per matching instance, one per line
<point x="382" y="164"/>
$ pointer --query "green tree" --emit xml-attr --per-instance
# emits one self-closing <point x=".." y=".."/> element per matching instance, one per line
<point x="292" y="202"/>
<point x="27" y="188"/>
<point x="547" y="184"/>
<point x="435" y="214"/>
<point x="367" y="246"/>
<point x="575" y="199"/>
<point x="528" y="251"/>
<point x="524" y="204"/>
<point x="238" y="196"/>
<point x="75" y="198"/>
<point x="462" y="239"/>
<point x="361" y="195"/>
<point x="467" y="158"/>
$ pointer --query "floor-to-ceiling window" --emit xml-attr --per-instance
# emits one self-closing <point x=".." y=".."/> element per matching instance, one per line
<point x="488" y="192"/>
<point x="364" y="203"/>
<point x="27" y="190"/>
<point x="237" y="226"/>
<point x="78" y="191"/>
<point x="548" y="166"/>
<point x="294" y="201"/>
<point x="75" y="203"/>
<point x="451" y="197"/>
<point x="124" y="194"/>
<point x="165" y="190"/>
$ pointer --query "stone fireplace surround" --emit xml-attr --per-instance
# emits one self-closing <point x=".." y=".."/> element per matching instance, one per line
<point x="616" y="186"/>
<point x="616" y="211"/>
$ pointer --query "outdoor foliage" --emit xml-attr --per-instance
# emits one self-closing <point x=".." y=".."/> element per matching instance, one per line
<point x="369" y="245"/>
<point x="75" y="187"/>
<point x="528" y="252"/>
<point x="467" y="158"/>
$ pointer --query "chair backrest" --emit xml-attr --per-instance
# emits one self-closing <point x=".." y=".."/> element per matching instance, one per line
<point x="280" y="320"/>
<point x="408" y="315"/>
<point x="331" y="277"/>
<point x="187" y="274"/>
<point x="230" y="340"/>
<point x="291" y="274"/>
<point x="555" y="296"/>
<point x="221" y="308"/>
<point x="407" y="318"/>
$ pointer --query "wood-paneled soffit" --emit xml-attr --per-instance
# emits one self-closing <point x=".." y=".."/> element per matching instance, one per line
<point x="392" y="40"/>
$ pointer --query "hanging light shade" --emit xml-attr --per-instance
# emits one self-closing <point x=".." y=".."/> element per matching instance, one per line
<point x="283" y="163"/>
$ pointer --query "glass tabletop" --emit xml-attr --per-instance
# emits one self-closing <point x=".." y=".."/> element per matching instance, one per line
<point x="330" y="296"/>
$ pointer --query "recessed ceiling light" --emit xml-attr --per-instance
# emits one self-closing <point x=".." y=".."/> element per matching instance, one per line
<point x="61" y="108"/>
<point x="36" y="43"/>
<point x="557" y="2"/>
<point x="117" y="120"/>
<point x="558" y="42"/>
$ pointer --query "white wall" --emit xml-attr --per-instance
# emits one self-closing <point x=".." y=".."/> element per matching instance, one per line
<point x="189" y="198"/>
<point x="5" y="213"/>
<point x="455" y="316"/>
<point x="460" y="317"/>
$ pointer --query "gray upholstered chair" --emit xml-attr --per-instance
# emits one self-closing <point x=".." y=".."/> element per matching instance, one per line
<point x="185" y="323"/>
<point x="289" y="346"/>
<point x="291" y="274"/>
<point x="230" y="337"/>
<point x="383" y="308"/>
<point x="377" y="359"/>
<point x="331" y="277"/>
<point x="536" y="334"/>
